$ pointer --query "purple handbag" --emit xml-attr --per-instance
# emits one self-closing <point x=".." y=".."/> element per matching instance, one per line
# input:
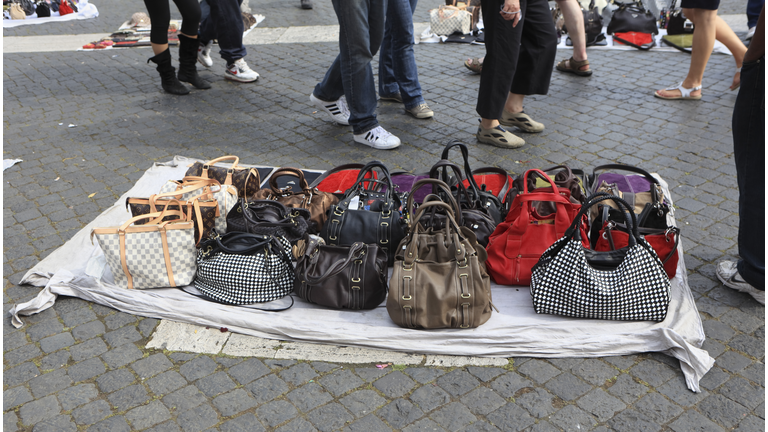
<point x="404" y="182"/>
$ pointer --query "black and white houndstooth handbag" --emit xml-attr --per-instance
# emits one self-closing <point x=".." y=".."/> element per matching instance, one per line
<point x="243" y="268"/>
<point x="625" y="284"/>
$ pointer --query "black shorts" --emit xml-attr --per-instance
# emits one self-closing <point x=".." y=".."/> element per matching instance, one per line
<point x="700" y="4"/>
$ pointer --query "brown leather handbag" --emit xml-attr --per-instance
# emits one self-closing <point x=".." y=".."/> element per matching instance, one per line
<point x="312" y="199"/>
<point x="246" y="180"/>
<point x="439" y="278"/>
<point x="341" y="277"/>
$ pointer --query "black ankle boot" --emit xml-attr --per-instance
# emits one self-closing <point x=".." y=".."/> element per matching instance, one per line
<point x="171" y="84"/>
<point x="188" y="61"/>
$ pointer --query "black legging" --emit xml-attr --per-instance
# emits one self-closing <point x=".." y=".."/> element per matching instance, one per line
<point x="160" y="15"/>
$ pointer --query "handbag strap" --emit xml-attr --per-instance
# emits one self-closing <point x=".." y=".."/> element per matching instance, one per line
<point x="436" y="184"/>
<point x="230" y="170"/>
<point x="467" y="170"/>
<point x="356" y="252"/>
<point x="340" y="168"/>
<point x="187" y="289"/>
<point x="495" y="170"/>
<point x="471" y="201"/>
<point x="654" y="190"/>
<point x="288" y="171"/>
<point x="626" y="210"/>
<point x="385" y="180"/>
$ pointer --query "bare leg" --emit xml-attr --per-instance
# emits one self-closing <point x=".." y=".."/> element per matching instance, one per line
<point x="703" y="42"/>
<point x="574" y="21"/>
<point x="727" y="37"/>
<point x="159" y="48"/>
<point x="514" y="104"/>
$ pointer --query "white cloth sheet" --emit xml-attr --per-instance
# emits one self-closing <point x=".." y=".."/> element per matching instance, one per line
<point x="85" y="10"/>
<point x="516" y="331"/>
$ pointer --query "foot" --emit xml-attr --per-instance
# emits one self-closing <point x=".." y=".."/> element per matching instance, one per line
<point x="204" y="54"/>
<point x="520" y="120"/>
<point x="728" y="274"/>
<point x="736" y="80"/>
<point x="421" y="111"/>
<point x="378" y="138"/>
<point x="240" y="72"/>
<point x="499" y="137"/>
<point x="397" y="97"/>
<point x="750" y="34"/>
<point x="338" y="109"/>
<point x="306" y="4"/>
<point x="679" y="92"/>
<point x="577" y="67"/>
<point x="474" y="64"/>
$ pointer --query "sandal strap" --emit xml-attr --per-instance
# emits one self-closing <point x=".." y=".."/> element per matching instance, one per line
<point x="575" y="64"/>
<point x="684" y="92"/>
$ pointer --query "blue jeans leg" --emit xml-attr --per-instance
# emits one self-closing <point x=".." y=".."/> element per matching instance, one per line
<point x="224" y="23"/>
<point x="361" y="29"/>
<point x="749" y="152"/>
<point x="397" y="64"/>
<point x="753" y="11"/>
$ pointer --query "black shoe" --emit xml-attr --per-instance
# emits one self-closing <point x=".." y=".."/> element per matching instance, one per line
<point x="170" y="83"/>
<point x="188" y="62"/>
<point x="306" y="4"/>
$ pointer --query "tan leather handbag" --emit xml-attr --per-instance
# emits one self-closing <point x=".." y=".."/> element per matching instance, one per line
<point x="439" y="278"/>
<point x="312" y="199"/>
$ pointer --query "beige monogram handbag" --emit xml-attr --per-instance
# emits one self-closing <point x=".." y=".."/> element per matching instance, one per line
<point x="448" y="20"/>
<point x="154" y="255"/>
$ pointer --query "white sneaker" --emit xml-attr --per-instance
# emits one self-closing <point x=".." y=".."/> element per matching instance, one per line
<point x="204" y="54"/>
<point x="378" y="138"/>
<point x="239" y="71"/>
<point x="729" y="275"/>
<point x="338" y="110"/>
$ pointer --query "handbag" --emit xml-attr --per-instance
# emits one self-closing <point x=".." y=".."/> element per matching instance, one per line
<point x="447" y="20"/>
<point x="202" y="210"/>
<point x="268" y="217"/>
<point x="366" y="214"/>
<point x="404" y="182"/>
<point x="496" y="181"/>
<point x="312" y="199"/>
<point x="593" y="24"/>
<point x="226" y="197"/>
<point x="246" y="180"/>
<point x="341" y="277"/>
<point x="517" y="243"/>
<point x="339" y="179"/>
<point x="640" y="189"/>
<point x="242" y="268"/>
<point x="486" y="199"/>
<point x="439" y="278"/>
<point x="16" y="12"/>
<point x="564" y="177"/>
<point x="631" y="24"/>
<point x="625" y="284"/>
<point x="676" y="22"/>
<point x="159" y="253"/>
<point x="65" y="8"/>
<point x="43" y="9"/>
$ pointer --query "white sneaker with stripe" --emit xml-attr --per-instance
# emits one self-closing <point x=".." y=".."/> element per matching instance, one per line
<point x="378" y="138"/>
<point x="338" y="110"/>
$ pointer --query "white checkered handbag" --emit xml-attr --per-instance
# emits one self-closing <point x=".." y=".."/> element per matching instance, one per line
<point x="626" y="284"/>
<point x="155" y="255"/>
<point x="448" y="20"/>
<point x="242" y="268"/>
<point x="192" y="187"/>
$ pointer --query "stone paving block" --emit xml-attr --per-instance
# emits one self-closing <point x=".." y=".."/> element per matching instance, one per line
<point x="629" y="420"/>
<point x="677" y="391"/>
<point x="713" y="347"/>
<point x="112" y="424"/>
<point x="453" y="417"/>
<point x="49" y="383"/>
<point x="395" y="384"/>
<point x="539" y="371"/>
<point x="481" y="426"/>
<point x="86" y="369"/>
<point x="56" y="342"/>
<point x="234" y="402"/>
<point x="457" y="382"/>
<point x="742" y="391"/>
<point x="78" y="316"/>
<point x="653" y="372"/>
<point x="115" y="380"/>
<point x="600" y="404"/>
<point x="755" y="373"/>
<point x="567" y="386"/>
<point x="430" y="397"/>
<point x="751" y="423"/>
<point x="510" y="417"/>
<point x="198" y="368"/>
<point x="368" y="423"/>
<point x="275" y="413"/>
<point x="147" y="325"/>
<point x="267" y="388"/>
<point x="20" y="355"/>
<point x="297" y="425"/>
<point x="166" y="382"/>
<point x="299" y="374"/>
<point x="691" y="420"/>
<point x="88" y="349"/>
<point x="227" y="362"/>
<point x="723" y="410"/>
<point x="279" y="363"/>
<point x="10" y="420"/>
<point x="423" y="425"/>
<point x="76" y="396"/>
<point x="15" y="396"/>
<point x="399" y="413"/>
<point x="151" y="366"/>
<point x="508" y="384"/>
<point x="14" y="340"/>
<point x="482" y="401"/>
<point x="248" y="371"/>
<point x="370" y="374"/>
<point x="330" y="417"/>
<point x="244" y="423"/>
<point x="627" y="389"/>
<point x="92" y="412"/>
<point x="122" y="336"/>
<point x="594" y="371"/>
<point x="128" y="397"/>
<point x="733" y="362"/>
<point x="340" y="382"/>
<point x="20" y="374"/>
<point x="657" y="408"/>
<point x="485" y="374"/>
<point x="62" y="423"/>
<point x="309" y="396"/>
<point x="197" y="419"/>
<point x="119" y="319"/>
<point x="88" y="330"/>
<point x="324" y="367"/>
<point x="538" y="401"/>
<point x="748" y="345"/>
<point x="184" y="399"/>
<point x="148" y="415"/>
<point x="362" y="402"/>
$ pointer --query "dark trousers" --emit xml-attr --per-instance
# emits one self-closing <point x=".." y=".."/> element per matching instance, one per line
<point x="518" y="59"/>
<point x="159" y="13"/>
<point x="753" y="11"/>
<point x="224" y="22"/>
<point x="749" y="152"/>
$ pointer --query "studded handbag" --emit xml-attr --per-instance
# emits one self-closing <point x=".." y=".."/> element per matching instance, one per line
<point x="158" y="254"/>
<point x="624" y="284"/>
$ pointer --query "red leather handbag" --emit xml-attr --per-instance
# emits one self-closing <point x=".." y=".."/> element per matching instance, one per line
<point x="65" y="8"/>
<point x="664" y="242"/>
<point x="339" y="179"/>
<point x="517" y="243"/>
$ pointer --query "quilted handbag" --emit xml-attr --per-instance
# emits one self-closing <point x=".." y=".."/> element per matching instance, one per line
<point x="268" y="217"/>
<point x="447" y="20"/>
<point x="202" y="210"/>
<point x="439" y="278"/>
<point x="157" y="254"/>
<point x="625" y="284"/>
<point x="225" y="196"/>
<point x="312" y="199"/>
<point x="243" y="268"/>
<point x="366" y="214"/>
<point x="517" y="243"/>
<point x="246" y="180"/>
<point x="341" y="277"/>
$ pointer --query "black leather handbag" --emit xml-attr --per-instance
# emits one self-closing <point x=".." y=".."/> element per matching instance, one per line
<point x="268" y="217"/>
<point x="593" y="24"/>
<point x="341" y="277"/>
<point x="486" y="199"/>
<point x="632" y="17"/>
<point x="366" y="214"/>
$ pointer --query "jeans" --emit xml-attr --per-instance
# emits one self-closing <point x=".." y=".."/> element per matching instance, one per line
<point x="222" y="20"/>
<point x="397" y="65"/>
<point x="753" y="12"/>
<point x="749" y="152"/>
<point x="361" y="29"/>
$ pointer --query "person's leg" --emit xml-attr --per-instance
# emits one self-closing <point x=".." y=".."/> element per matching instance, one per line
<point x="753" y="12"/>
<point x="190" y="17"/>
<point x="574" y="22"/>
<point x="727" y="37"/>
<point x="703" y="42"/>
<point x="160" y="14"/>
<point x="229" y="27"/>
<point x="208" y="15"/>
<point x="188" y="44"/>
<point x="388" y="87"/>
<point x="400" y="15"/>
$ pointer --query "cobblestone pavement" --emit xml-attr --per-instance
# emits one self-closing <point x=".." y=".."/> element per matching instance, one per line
<point x="82" y="366"/>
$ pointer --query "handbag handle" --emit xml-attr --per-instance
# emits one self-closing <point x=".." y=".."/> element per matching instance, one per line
<point x="626" y="209"/>
<point x="541" y="174"/>
<point x="356" y="251"/>
<point x="411" y="254"/>
<point x="220" y="159"/>
<point x="630" y="168"/>
<point x="296" y="172"/>
<point x="467" y="170"/>
<point x="443" y="163"/>
<point x="495" y="170"/>
<point x="385" y="180"/>
<point x="436" y="183"/>
<point x="218" y="243"/>
<point x="335" y="170"/>
<point x="156" y="217"/>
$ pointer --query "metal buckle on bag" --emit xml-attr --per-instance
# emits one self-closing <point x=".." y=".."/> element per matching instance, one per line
<point x="464" y="264"/>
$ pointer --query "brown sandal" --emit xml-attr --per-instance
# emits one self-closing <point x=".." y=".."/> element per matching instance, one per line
<point x="574" y="67"/>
